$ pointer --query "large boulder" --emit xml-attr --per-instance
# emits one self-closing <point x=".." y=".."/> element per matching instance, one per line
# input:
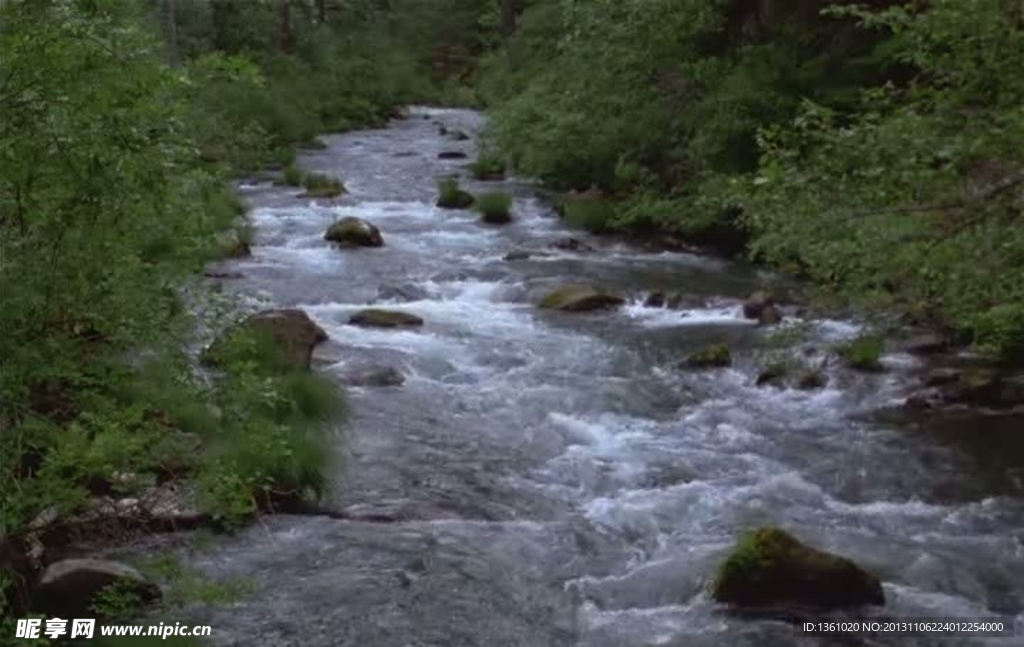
<point x="354" y="232"/>
<point x="379" y="318"/>
<point x="291" y="330"/>
<point x="769" y="567"/>
<point x="580" y="298"/>
<point x="761" y="306"/>
<point x="68" y="588"/>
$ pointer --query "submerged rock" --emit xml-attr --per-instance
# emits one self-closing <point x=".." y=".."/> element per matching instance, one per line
<point x="378" y="318"/>
<point x="405" y="292"/>
<point x="291" y="331"/>
<point x="580" y="298"/>
<point x="925" y="344"/>
<point x="773" y="374"/>
<point x="769" y="567"/>
<point x="572" y="245"/>
<point x="69" y="587"/>
<point x="517" y="255"/>
<point x="354" y="232"/>
<point x="380" y="376"/>
<point x="761" y="306"/>
<point x="978" y="387"/>
<point x="452" y="155"/>
<point x="716" y="355"/>
<point x="655" y="300"/>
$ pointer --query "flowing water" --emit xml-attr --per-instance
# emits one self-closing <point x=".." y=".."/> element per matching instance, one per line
<point x="553" y="479"/>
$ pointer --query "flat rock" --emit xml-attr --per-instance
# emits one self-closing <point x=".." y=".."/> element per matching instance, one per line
<point x="379" y="318"/>
<point x="580" y="298"/>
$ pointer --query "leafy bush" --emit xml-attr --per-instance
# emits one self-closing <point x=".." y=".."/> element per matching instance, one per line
<point x="596" y="215"/>
<point x="494" y="208"/>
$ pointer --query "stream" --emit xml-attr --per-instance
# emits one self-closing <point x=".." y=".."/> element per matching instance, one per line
<point x="554" y="479"/>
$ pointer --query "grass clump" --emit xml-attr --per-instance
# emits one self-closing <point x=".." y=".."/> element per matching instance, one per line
<point x="293" y="175"/>
<point x="716" y="355"/>
<point x="863" y="353"/>
<point x="452" y="196"/>
<point x="319" y="185"/>
<point x="495" y="208"/>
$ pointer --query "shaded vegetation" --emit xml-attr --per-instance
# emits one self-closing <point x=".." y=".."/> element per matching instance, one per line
<point x="874" y="148"/>
<point x="494" y="208"/>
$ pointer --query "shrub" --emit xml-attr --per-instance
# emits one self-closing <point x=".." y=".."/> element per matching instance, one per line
<point x="495" y="208"/>
<point x="595" y="215"/>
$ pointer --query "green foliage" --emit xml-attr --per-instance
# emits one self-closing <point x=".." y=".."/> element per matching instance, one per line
<point x="120" y="600"/>
<point x="863" y="353"/>
<point x="596" y="215"/>
<point x="494" y="208"/>
<point x="715" y="355"/>
<point x="187" y="586"/>
<point x="874" y="150"/>
<point x="488" y="166"/>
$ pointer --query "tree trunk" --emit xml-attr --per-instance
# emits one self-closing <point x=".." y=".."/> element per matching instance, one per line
<point x="508" y="18"/>
<point x="171" y="33"/>
<point x="321" y="11"/>
<point x="285" y="38"/>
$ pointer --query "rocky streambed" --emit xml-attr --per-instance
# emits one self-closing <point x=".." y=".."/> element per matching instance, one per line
<point x="575" y="474"/>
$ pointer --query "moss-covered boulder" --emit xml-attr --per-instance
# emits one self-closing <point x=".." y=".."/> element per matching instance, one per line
<point x="354" y="232"/>
<point x="232" y="244"/>
<point x="769" y="567"/>
<point x="580" y="298"/>
<point x="379" y="318"/>
<point x="714" y="356"/>
<point x="761" y="306"/>
<point x="863" y="353"/>
<point x="290" y="333"/>
<point x="451" y="196"/>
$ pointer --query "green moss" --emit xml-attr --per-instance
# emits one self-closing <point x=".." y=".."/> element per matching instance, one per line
<point x="716" y="355"/>
<point x="863" y="353"/>
<point x="495" y="208"/>
<point x="451" y="196"/>
<point x="774" y="372"/>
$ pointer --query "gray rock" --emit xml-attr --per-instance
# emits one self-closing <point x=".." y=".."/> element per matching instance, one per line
<point x="69" y="587"/>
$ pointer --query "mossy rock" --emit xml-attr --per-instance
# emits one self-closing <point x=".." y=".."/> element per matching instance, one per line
<point x="580" y="298"/>
<point x="714" y="356"/>
<point x="379" y="318"/>
<point x="323" y="192"/>
<point x="769" y="567"/>
<point x="812" y="379"/>
<point x="70" y="587"/>
<point x="354" y="232"/>
<point x="761" y="306"/>
<point x="773" y="374"/>
<point x="291" y="334"/>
